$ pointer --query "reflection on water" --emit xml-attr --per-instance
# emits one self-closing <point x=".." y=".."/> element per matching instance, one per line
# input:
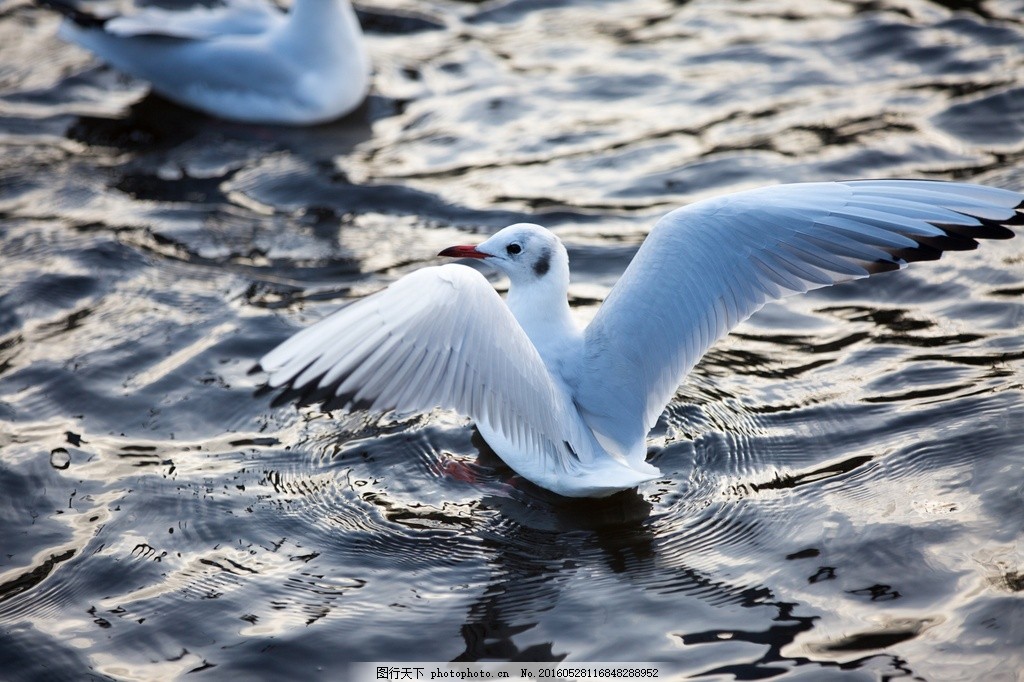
<point x="842" y="484"/>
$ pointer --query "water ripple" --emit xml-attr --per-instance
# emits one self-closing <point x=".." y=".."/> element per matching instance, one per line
<point x="841" y="484"/>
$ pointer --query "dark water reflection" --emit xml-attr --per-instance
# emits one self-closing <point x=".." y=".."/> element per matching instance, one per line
<point x="843" y="489"/>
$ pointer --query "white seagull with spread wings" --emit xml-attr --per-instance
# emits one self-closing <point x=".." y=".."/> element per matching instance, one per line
<point x="245" y="60"/>
<point x="570" y="408"/>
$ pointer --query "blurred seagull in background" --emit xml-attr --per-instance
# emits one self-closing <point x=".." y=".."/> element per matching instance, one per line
<point x="244" y="61"/>
<point x="569" y="408"/>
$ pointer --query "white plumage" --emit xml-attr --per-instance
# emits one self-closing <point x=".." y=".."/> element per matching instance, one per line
<point x="244" y="61"/>
<point x="570" y="409"/>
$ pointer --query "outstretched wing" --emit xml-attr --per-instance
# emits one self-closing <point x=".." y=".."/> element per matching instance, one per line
<point x="439" y="337"/>
<point x="706" y="267"/>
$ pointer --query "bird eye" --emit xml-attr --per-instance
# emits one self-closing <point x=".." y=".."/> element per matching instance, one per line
<point x="513" y="249"/>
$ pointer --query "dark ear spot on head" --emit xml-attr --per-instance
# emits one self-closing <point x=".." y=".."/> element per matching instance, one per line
<point x="543" y="263"/>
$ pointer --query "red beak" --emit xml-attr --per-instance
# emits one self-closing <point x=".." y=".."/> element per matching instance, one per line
<point x="463" y="252"/>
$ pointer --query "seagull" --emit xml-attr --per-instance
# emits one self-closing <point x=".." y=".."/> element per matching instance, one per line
<point x="568" y="408"/>
<point x="244" y="61"/>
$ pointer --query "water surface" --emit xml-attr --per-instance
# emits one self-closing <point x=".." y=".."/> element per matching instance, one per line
<point x="843" y="488"/>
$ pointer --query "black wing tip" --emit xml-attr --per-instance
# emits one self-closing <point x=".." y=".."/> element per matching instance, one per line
<point x="311" y="393"/>
<point x="958" y="237"/>
<point x="952" y="241"/>
<point x="77" y="15"/>
<point x="306" y="394"/>
<point x="882" y="265"/>
<point x="262" y="390"/>
<point x="1018" y="216"/>
<point x="989" y="229"/>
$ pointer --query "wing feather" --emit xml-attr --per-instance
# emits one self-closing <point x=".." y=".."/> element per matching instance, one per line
<point x="439" y="337"/>
<point x="706" y="267"/>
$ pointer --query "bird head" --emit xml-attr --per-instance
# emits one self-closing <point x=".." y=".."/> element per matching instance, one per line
<point x="525" y="252"/>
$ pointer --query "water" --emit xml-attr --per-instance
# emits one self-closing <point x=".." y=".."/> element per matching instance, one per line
<point x="843" y="489"/>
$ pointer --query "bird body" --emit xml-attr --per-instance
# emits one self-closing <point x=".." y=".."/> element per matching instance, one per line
<point x="244" y="61"/>
<point x="570" y="408"/>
